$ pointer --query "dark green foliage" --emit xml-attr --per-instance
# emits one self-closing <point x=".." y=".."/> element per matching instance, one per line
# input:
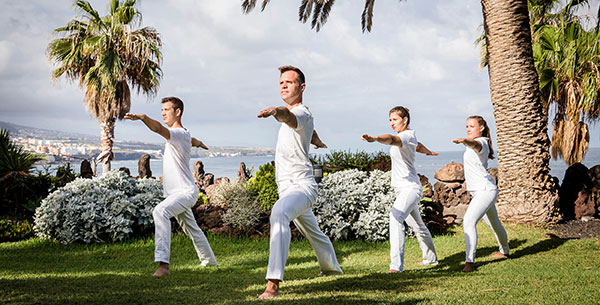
<point x="263" y="184"/>
<point x="12" y="157"/>
<point x="13" y="230"/>
<point x="342" y="160"/>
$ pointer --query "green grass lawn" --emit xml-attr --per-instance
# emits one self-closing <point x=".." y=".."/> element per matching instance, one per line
<point x="542" y="270"/>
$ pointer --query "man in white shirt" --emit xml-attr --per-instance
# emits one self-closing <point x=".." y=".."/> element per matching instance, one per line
<point x="295" y="182"/>
<point x="180" y="191"/>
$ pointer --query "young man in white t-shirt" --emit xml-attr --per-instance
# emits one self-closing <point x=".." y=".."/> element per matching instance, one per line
<point x="180" y="191"/>
<point x="295" y="182"/>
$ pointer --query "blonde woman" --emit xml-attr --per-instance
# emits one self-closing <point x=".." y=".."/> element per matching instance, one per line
<point x="407" y="186"/>
<point x="482" y="188"/>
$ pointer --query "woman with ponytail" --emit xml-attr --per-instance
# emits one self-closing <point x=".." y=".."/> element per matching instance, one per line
<point x="482" y="188"/>
<point x="407" y="186"/>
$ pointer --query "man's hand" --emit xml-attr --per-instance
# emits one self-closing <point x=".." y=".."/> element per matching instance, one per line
<point x="198" y="143"/>
<point x="267" y="112"/>
<point x="368" y="138"/>
<point x="134" y="116"/>
<point x="459" y="140"/>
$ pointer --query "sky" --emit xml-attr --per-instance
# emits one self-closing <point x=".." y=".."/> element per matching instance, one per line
<point x="223" y="65"/>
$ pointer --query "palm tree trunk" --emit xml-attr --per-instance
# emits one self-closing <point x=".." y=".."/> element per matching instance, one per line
<point x="526" y="191"/>
<point x="107" y="135"/>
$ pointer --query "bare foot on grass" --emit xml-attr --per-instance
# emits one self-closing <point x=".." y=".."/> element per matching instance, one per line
<point x="393" y="271"/>
<point x="272" y="290"/>
<point x="469" y="267"/>
<point x="499" y="255"/>
<point x="162" y="270"/>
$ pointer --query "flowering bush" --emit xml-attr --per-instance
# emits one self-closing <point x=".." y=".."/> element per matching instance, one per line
<point x="13" y="230"/>
<point x="356" y="204"/>
<point x="243" y="210"/>
<point x="108" y="208"/>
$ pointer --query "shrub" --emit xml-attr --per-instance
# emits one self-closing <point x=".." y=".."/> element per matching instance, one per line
<point x="344" y="160"/>
<point x="203" y="199"/>
<point x="243" y="211"/>
<point x="356" y="204"/>
<point x="13" y="230"/>
<point x="108" y="208"/>
<point x="264" y="185"/>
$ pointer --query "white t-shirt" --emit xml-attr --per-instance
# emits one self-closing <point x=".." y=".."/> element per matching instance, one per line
<point x="291" y="153"/>
<point x="476" y="174"/>
<point x="177" y="176"/>
<point x="404" y="174"/>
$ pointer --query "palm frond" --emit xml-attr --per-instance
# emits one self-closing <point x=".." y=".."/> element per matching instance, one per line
<point x="367" y="15"/>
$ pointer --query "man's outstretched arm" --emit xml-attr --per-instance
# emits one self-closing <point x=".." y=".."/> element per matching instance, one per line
<point x="152" y="124"/>
<point x="281" y="114"/>
<point x="198" y="143"/>
<point x="316" y="141"/>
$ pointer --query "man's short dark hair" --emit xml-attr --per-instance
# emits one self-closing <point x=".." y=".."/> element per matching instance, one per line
<point x="301" y="79"/>
<point x="177" y="103"/>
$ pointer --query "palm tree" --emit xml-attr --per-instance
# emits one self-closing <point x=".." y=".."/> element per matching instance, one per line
<point x="13" y="159"/>
<point x="527" y="193"/>
<point x="107" y="57"/>
<point x="567" y="58"/>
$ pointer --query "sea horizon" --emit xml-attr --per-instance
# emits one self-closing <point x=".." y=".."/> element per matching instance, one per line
<point x="229" y="166"/>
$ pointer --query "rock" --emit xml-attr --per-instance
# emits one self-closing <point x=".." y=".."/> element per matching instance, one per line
<point x="453" y="197"/>
<point x="494" y="173"/>
<point x="575" y="181"/>
<point x="210" y="190"/>
<point x="86" y="170"/>
<point x="221" y="180"/>
<point x="428" y="190"/>
<point x="242" y="176"/>
<point x="209" y="179"/>
<point x="384" y="165"/>
<point x="144" y="170"/>
<point x="198" y="174"/>
<point x="125" y="170"/>
<point x="209" y="217"/>
<point x="583" y="206"/>
<point x="453" y="172"/>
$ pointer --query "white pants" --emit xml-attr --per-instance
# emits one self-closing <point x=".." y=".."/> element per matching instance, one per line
<point x="179" y="205"/>
<point x="406" y="208"/>
<point x="483" y="205"/>
<point x="295" y="201"/>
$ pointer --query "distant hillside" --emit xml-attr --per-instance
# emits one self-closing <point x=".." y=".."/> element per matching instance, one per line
<point x="32" y="132"/>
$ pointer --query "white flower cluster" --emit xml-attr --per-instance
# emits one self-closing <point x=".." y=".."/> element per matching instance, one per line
<point x="355" y="204"/>
<point x="108" y="208"/>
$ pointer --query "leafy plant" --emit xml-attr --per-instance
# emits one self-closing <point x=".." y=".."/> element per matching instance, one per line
<point x="13" y="230"/>
<point x="243" y="210"/>
<point x="13" y="158"/>
<point x="343" y="160"/>
<point x="264" y="185"/>
<point x="113" y="207"/>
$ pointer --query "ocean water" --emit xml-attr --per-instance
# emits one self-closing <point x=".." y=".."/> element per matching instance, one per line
<point x="426" y="165"/>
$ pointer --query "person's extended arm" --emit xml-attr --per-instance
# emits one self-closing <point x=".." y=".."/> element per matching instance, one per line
<point x="424" y="150"/>
<point x="198" y="143"/>
<point x="316" y="141"/>
<point x="384" y="139"/>
<point x="469" y="142"/>
<point x="152" y="124"/>
<point x="281" y="114"/>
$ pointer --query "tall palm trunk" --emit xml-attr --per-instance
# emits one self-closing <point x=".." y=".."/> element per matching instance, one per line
<point x="527" y="193"/>
<point x="107" y="135"/>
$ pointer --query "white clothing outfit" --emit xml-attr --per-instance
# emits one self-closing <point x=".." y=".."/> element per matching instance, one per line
<point x="181" y="194"/>
<point x="409" y="191"/>
<point x="297" y="192"/>
<point x="484" y="192"/>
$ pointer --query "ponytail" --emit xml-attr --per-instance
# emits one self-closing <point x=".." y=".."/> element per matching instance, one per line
<point x="485" y="133"/>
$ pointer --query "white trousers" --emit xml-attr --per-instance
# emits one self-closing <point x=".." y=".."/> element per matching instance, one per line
<point x="179" y="205"/>
<point x="483" y="205"/>
<point x="294" y="204"/>
<point x="406" y="208"/>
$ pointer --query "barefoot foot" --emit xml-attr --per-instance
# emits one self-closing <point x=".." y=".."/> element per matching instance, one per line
<point x="499" y="255"/>
<point x="469" y="267"/>
<point x="162" y="270"/>
<point x="393" y="271"/>
<point x="272" y="290"/>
